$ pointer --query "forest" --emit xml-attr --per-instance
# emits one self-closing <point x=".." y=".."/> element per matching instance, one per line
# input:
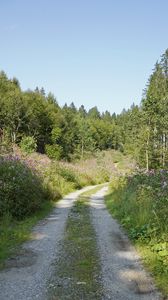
<point x="34" y="119"/>
<point x="52" y="150"/>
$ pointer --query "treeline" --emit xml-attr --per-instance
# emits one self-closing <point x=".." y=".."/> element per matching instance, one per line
<point x="144" y="128"/>
<point x="68" y="132"/>
<point x="62" y="133"/>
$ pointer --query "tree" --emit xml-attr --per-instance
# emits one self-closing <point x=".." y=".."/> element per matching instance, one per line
<point x="82" y="111"/>
<point x="93" y="113"/>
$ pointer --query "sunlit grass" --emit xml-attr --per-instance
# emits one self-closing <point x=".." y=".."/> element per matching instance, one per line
<point x="139" y="203"/>
<point x="80" y="261"/>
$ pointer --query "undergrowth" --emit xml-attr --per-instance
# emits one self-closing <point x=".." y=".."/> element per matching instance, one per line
<point x="28" y="186"/>
<point x="30" y="183"/>
<point x="140" y="203"/>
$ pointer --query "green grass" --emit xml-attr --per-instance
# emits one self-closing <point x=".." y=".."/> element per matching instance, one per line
<point x="94" y="190"/>
<point x="80" y="260"/>
<point x="54" y="181"/>
<point x="14" y="233"/>
<point x="154" y="265"/>
<point x="139" y="203"/>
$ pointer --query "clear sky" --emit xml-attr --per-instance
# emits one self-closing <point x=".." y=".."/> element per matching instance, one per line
<point x="90" y="52"/>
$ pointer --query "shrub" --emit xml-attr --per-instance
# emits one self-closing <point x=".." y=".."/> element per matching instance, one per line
<point x="69" y="175"/>
<point x="55" y="183"/>
<point x="28" y="144"/>
<point x="53" y="151"/>
<point x="5" y="143"/>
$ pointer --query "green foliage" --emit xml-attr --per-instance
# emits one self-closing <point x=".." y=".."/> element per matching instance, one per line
<point x="27" y="189"/>
<point x="102" y="175"/>
<point x="69" y="175"/>
<point x="60" y="180"/>
<point x="5" y="143"/>
<point x="21" y="191"/>
<point x="25" y="184"/>
<point x="28" y="144"/>
<point x="143" y="131"/>
<point x="66" y="132"/>
<point x="53" y="151"/>
<point x="55" y="134"/>
<point x="140" y="202"/>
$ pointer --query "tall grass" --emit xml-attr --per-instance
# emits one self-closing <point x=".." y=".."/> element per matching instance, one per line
<point x="140" y="203"/>
<point x="29" y="185"/>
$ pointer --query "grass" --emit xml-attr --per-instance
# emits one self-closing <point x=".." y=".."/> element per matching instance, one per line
<point x="55" y="180"/>
<point x="79" y="257"/>
<point x="139" y="202"/>
<point x="94" y="190"/>
<point x="13" y="233"/>
<point x="123" y="163"/>
<point x="154" y="265"/>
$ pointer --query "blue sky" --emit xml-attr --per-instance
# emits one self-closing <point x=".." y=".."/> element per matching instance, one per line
<point x="90" y="52"/>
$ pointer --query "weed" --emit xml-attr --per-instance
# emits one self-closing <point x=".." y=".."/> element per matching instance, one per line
<point x="139" y="202"/>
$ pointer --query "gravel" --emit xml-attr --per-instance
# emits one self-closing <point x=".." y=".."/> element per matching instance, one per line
<point x="77" y="272"/>
<point x="122" y="273"/>
<point x="26" y="274"/>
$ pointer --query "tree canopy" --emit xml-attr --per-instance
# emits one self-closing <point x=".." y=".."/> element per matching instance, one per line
<point x="67" y="132"/>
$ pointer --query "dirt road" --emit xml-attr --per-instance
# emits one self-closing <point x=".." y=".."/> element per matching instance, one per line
<point x="29" y="274"/>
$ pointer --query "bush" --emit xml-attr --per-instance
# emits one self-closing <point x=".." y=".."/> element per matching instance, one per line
<point x="21" y="191"/>
<point x="56" y="183"/>
<point x="53" y="151"/>
<point x="28" y="144"/>
<point x="69" y="175"/>
<point x="5" y="143"/>
<point x="102" y="175"/>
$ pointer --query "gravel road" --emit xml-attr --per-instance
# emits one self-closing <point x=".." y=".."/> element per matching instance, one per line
<point x="26" y="274"/>
<point x="122" y="273"/>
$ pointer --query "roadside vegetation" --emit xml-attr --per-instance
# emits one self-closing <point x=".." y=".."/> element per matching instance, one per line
<point x="140" y="203"/>
<point x="31" y="183"/>
<point x="78" y="148"/>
